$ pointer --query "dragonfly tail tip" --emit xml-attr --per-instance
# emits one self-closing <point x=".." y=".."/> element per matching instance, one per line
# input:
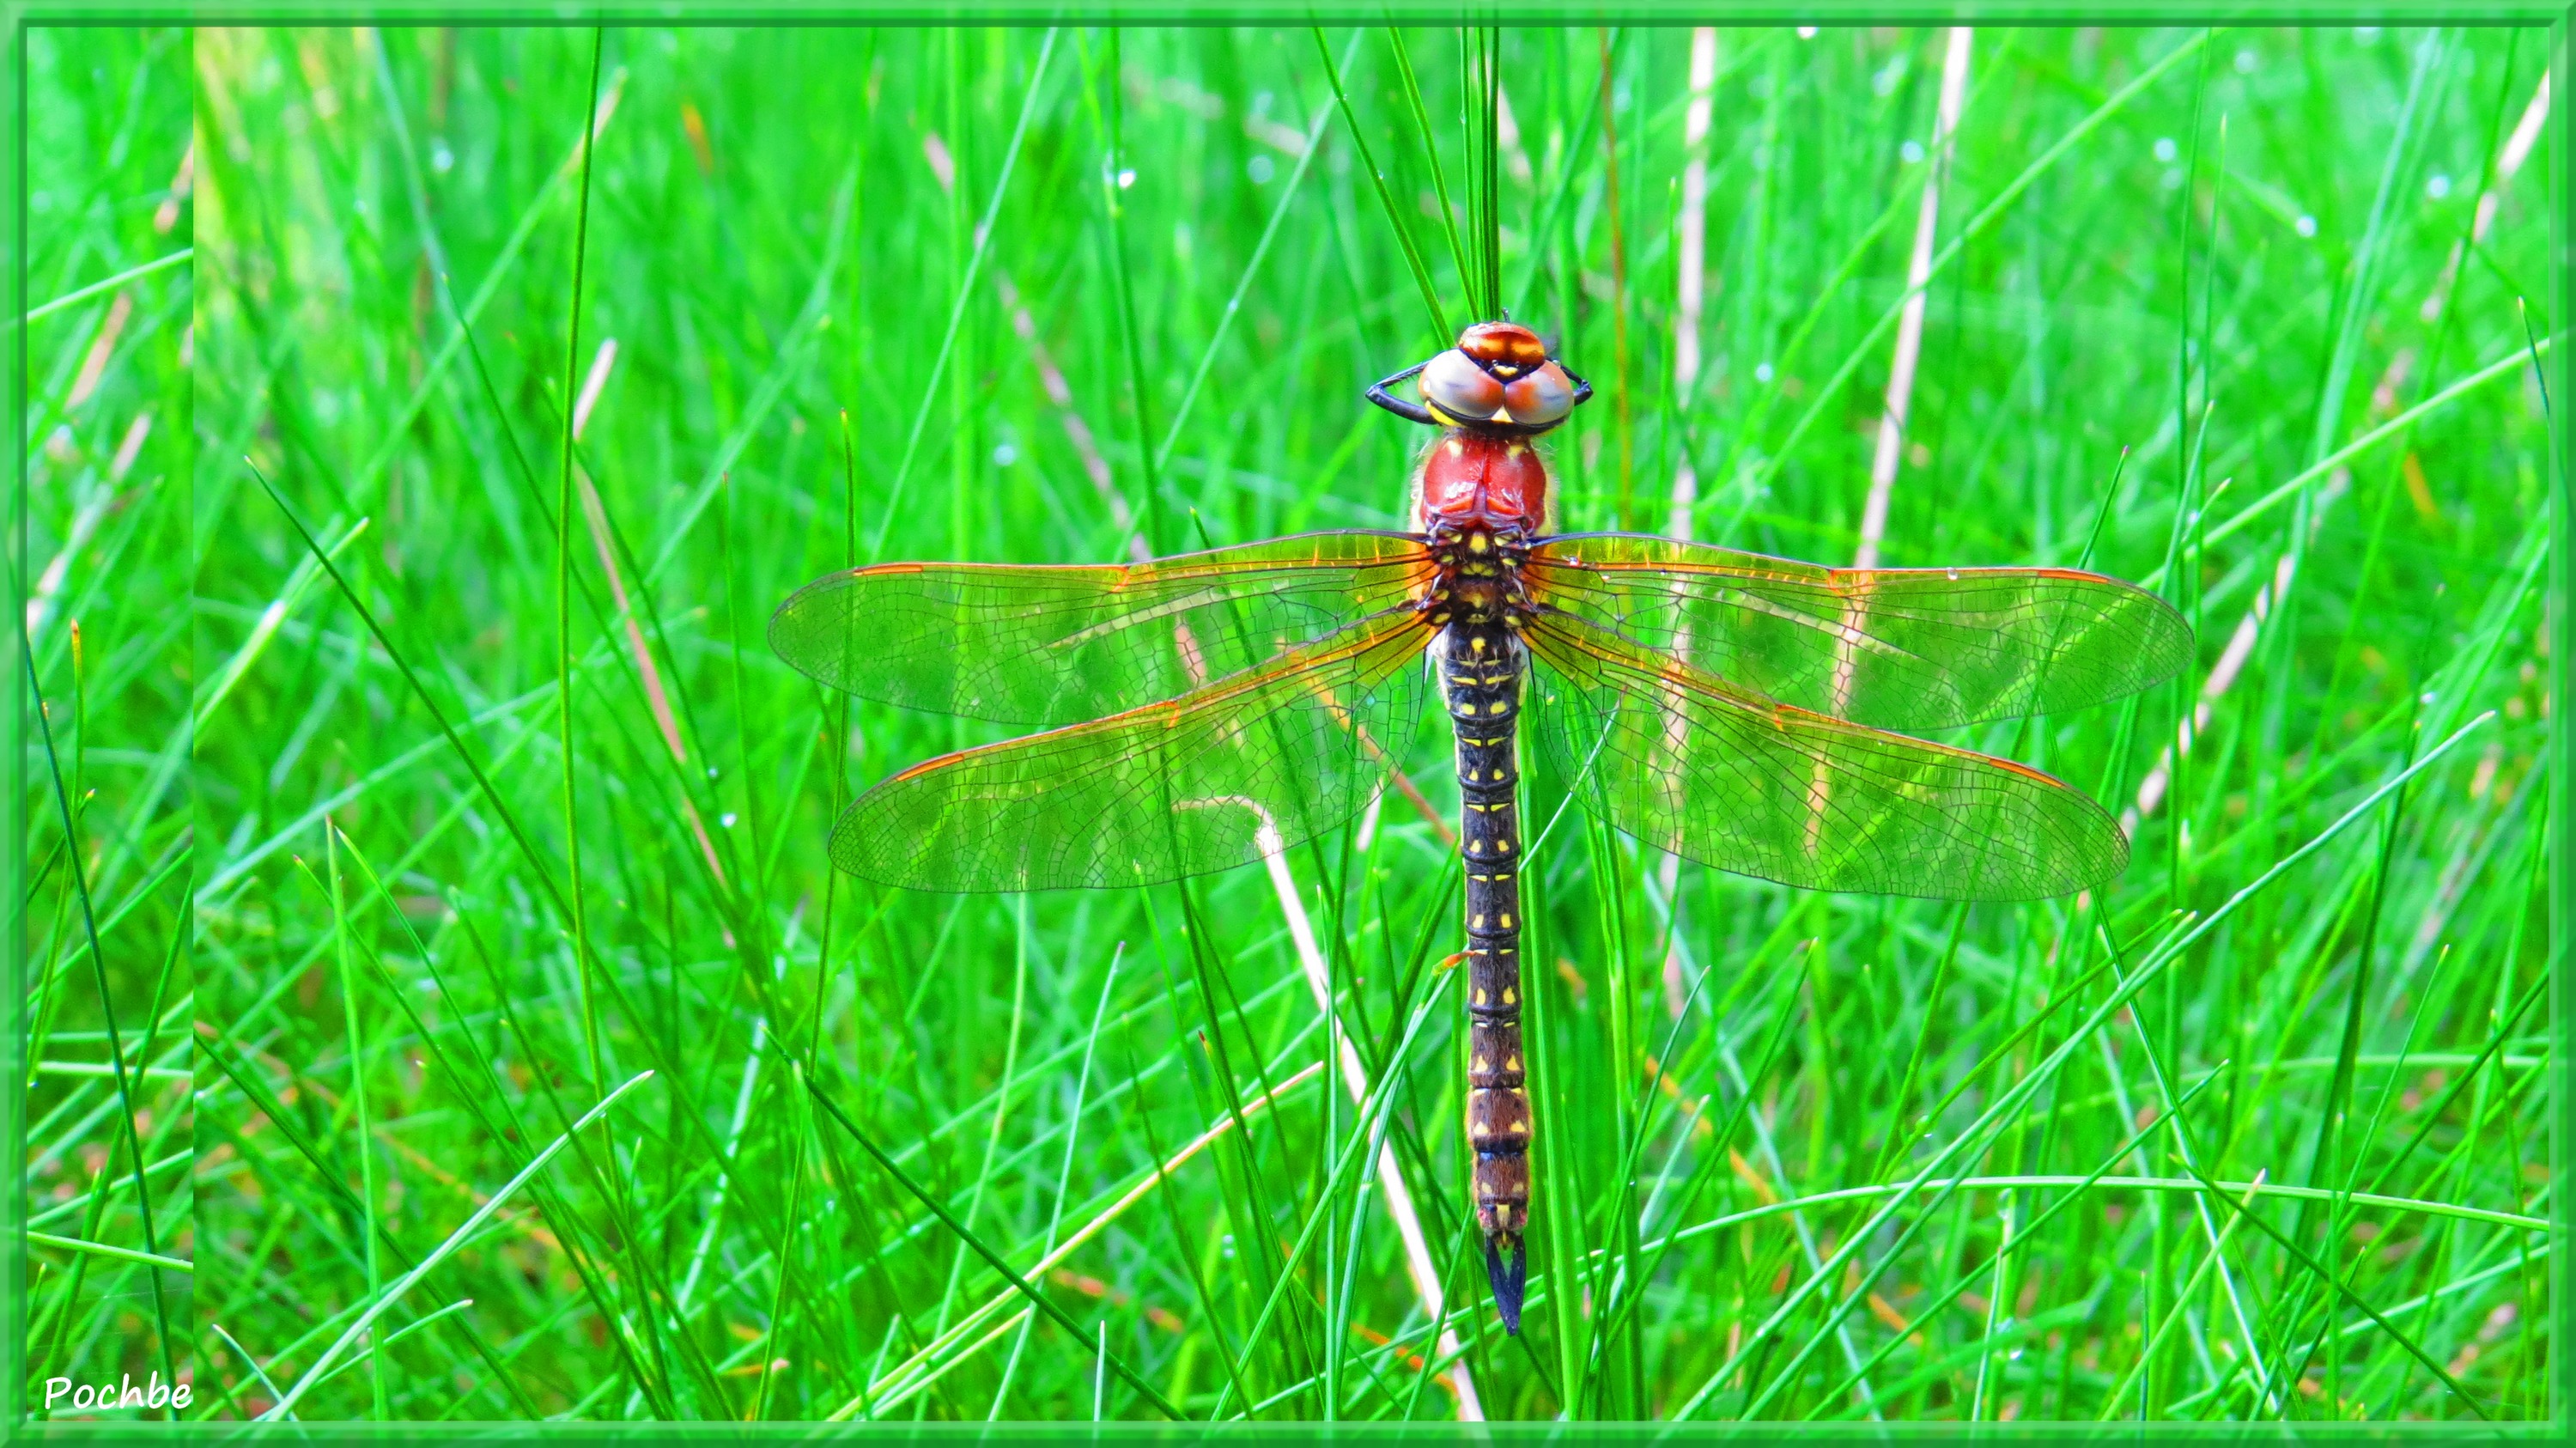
<point x="1508" y="1282"/>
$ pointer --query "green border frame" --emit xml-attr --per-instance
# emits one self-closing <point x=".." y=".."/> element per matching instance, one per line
<point x="17" y="17"/>
<point x="1165" y="12"/>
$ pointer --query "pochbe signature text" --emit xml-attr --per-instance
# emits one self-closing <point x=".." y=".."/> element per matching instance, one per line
<point x="124" y="1393"/>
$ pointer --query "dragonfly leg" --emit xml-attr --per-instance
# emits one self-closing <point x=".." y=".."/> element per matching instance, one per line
<point x="1409" y="411"/>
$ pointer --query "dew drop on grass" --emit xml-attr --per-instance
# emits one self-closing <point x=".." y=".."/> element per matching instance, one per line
<point x="2166" y="150"/>
<point x="2438" y="186"/>
<point x="1806" y="32"/>
<point x="1260" y="169"/>
<point x="725" y="819"/>
<point x="1912" y="151"/>
<point x="2306" y="225"/>
<point x="2245" y="62"/>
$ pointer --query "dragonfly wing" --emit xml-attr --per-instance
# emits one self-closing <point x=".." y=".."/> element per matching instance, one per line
<point x="1691" y="764"/>
<point x="1262" y="759"/>
<point x="1899" y="648"/>
<point x="1051" y="644"/>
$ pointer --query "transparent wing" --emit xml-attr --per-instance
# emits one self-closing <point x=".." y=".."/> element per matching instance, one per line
<point x="1049" y="644"/>
<point x="1688" y="763"/>
<point x="1185" y="787"/>
<point x="1899" y="648"/>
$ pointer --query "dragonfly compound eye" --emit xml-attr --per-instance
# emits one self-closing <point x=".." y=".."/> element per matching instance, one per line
<point x="1542" y="397"/>
<point x="1454" y="384"/>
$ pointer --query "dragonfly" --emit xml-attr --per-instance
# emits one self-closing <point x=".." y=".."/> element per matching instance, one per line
<point x="1199" y="712"/>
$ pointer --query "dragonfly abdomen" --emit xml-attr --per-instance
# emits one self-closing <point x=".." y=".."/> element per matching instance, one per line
<point x="1481" y="665"/>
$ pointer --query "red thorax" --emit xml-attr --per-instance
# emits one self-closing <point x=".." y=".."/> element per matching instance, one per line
<point x="1471" y="477"/>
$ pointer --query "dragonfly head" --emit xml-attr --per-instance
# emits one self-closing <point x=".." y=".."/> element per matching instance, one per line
<point x="1499" y="376"/>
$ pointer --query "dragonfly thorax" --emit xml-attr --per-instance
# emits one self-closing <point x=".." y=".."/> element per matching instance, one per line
<point x="1476" y="576"/>
<point x="1471" y="477"/>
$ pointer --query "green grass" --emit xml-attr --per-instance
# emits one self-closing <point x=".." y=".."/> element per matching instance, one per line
<point x="1799" y="1157"/>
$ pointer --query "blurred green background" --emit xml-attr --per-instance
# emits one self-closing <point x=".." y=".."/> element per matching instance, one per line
<point x="2250" y="316"/>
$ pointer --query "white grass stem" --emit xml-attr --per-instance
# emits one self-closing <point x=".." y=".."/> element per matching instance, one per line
<point x="2240" y="644"/>
<point x="1689" y="303"/>
<point x="1251" y="269"/>
<point x="2210" y="1230"/>
<point x="93" y="368"/>
<point x="965" y="294"/>
<point x="1909" y="323"/>
<point x="1821" y="398"/>
<point x="211" y="895"/>
<point x="49" y="584"/>
<point x="398" y="436"/>
<point x="1806" y="1235"/>
<point x="1418" y="1263"/>
<point x="1691" y="284"/>
<point x="1064" y="1179"/>
<point x="1001" y="1101"/>
<point x="391" y="1295"/>
<point x="732" y="1152"/>
<point x="1978" y="1132"/>
<point x="2182" y="1301"/>
<point x="2512" y="361"/>
<point x="602" y="362"/>
<point x="891" y="1387"/>
<point x="271" y="619"/>
<point x="181" y="257"/>
<point x="112" y="1252"/>
<point x="2188" y="1186"/>
<point x="1060" y="393"/>
<point x="275" y="1394"/>
<point x="787" y="366"/>
<point x="2517" y="149"/>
